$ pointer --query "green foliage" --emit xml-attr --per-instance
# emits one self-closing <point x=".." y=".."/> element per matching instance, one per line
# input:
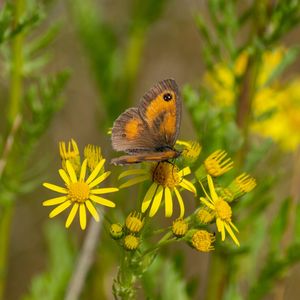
<point x="51" y="285"/>
<point x="7" y="31"/>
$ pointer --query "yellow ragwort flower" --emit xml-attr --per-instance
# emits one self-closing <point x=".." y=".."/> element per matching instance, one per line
<point x="245" y="183"/>
<point x="221" y="209"/>
<point x="80" y="193"/>
<point x="191" y="150"/>
<point x="93" y="155"/>
<point x="204" y="215"/>
<point x="71" y="154"/>
<point x="202" y="240"/>
<point x="116" y="231"/>
<point x="216" y="164"/>
<point x="276" y="106"/>
<point x="180" y="227"/>
<point x="166" y="178"/>
<point x="134" y="222"/>
<point x="131" y="242"/>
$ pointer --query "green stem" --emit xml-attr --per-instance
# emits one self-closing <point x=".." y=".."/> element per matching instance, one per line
<point x="16" y="88"/>
<point x="132" y="59"/>
<point x="16" y="66"/>
<point x="5" y="222"/>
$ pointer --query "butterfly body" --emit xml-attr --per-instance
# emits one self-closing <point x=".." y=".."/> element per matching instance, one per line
<point x="149" y="132"/>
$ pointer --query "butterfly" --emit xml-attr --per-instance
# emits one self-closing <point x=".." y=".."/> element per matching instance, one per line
<point x="149" y="131"/>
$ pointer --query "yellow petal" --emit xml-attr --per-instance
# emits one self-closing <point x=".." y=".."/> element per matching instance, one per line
<point x="55" y="201"/>
<point x="132" y="172"/>
<point x="82" y="216"/>
<point x="83" y="170"/>
<point x="148" y="197"/>
<point x="185" y="171"/>
<point x="104" y="190"/>
<point x="233" y="226"/>
<point x="55" y="188"/>
<point x="96" y="171"/>
<point x="156" y="201"/>
<point x="99" y="179"/>
<point x="188" y="186"/>
<point x="168" y="203"/>
<point x="64" y="176"/>
<point x="133" y="181"/>
<point x="92" y="210"/>
<point x="207" y="203"/>
<point x="220" y="226"/>
<point x="72" y="215"/>
<point x="228" y="228"/>
<point x="102" y="201"/>
<point x="57" y="210"/>
<point x="212" y="190"/>
<point x="71" y="171"/>
<point x="180" y="202"/>
<point x="203" y="189"/>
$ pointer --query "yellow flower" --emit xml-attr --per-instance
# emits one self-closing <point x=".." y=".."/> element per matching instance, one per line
<point x="216" y="164"/>
<point x="204" y="215"/>
<point x="166" y="178"/>
<point x="93" y="155"/>
<point x="202" y="240"/>
<point x="276" y="107"/>
<point x="134" y="222"/>
<point x="245" y="183"/>
<point x="180" y="227"/>
<point x="80" y="193"/>
<point x="71" y="154"/>
<point x="221" y="209"/>
<point x="191" y="150"/>
<point x="131" y="242"/>
<point x="116" y="231"/>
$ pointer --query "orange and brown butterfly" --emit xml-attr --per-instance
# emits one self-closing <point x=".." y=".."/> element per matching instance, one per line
<point x="149" y="132"/>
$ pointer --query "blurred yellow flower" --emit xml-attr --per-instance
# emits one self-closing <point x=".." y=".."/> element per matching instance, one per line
<point x="276" y="108"/>
<point x="70" y="153"/>
<point x="166" y="178"/>
<point x="79" y="193"/>
<point x="221" y="209"/>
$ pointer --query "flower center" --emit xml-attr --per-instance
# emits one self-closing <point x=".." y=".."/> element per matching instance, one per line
<point x="166" y="174"/>
<point x="223" y="210"/>
<point x="79" y="191"/>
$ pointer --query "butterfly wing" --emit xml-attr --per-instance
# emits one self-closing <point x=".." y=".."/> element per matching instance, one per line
<point x="161" y="109"/>
<point x="130" y="133"/>
<point x="152" y="156"/>
<point x="153" y="125"/>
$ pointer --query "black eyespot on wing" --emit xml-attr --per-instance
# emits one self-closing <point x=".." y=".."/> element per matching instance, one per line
<point x="167" y="97"/>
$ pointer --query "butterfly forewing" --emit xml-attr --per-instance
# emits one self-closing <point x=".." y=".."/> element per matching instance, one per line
<point x="160" y="108"/>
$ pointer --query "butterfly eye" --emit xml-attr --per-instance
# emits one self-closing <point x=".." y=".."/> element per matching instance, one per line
<point x="167" y="97"/>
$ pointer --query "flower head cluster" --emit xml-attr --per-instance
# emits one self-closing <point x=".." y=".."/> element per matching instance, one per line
<point x="80" y="192"/>
<point x="128" y="234"/>
<point x="165" y="179"/>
